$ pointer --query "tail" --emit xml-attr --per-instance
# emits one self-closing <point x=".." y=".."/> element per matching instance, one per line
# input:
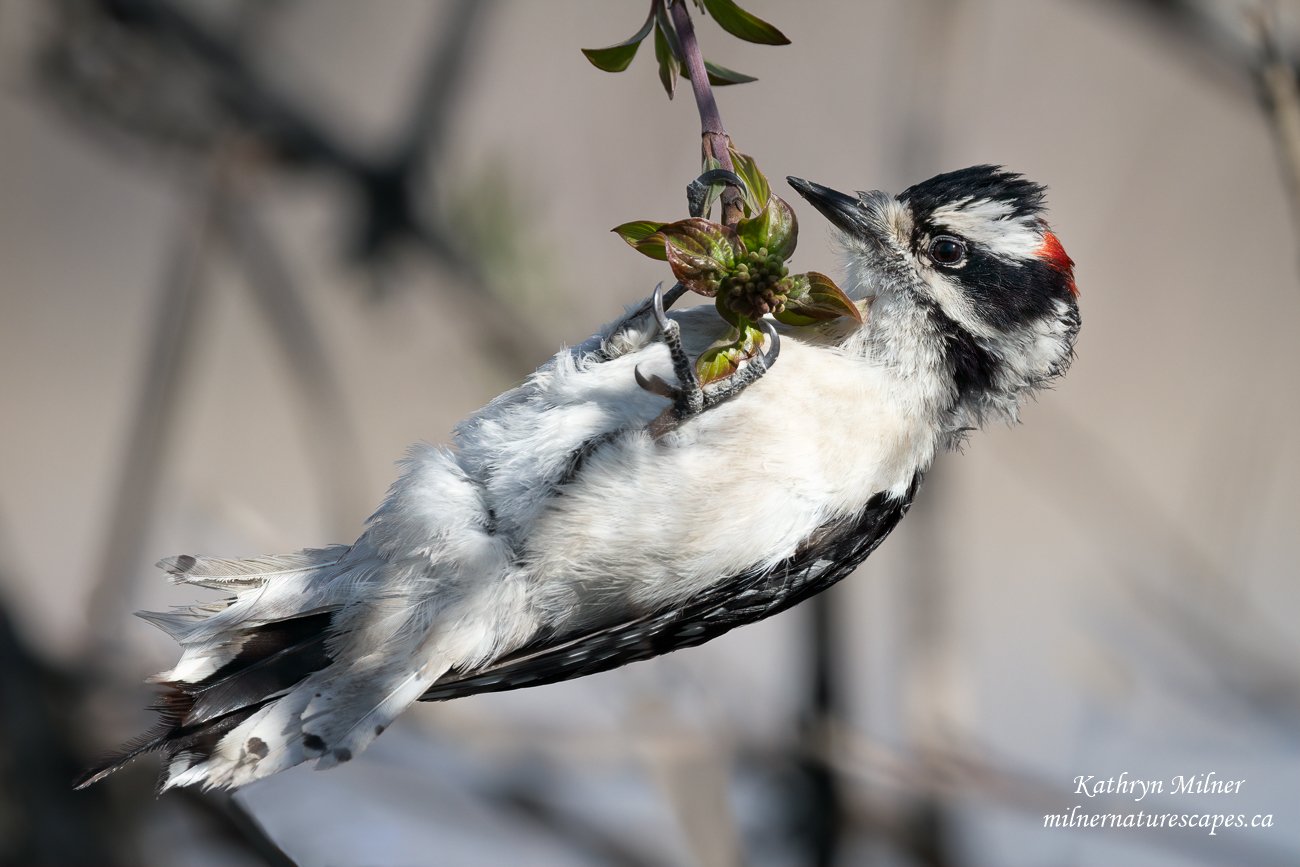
<point x="317" y="652"/>
<point x="259" y="664"/>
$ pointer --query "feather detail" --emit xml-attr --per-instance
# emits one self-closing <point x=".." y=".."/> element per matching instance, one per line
<point x="176" y="623"/>
<point x="316" y="652"/>
<point x="218" y="574"/>
<point x="345" y="732"/>
<point x="240" y="653"/>
<point x="557" y="539"/>
<point x="194" y="717"/>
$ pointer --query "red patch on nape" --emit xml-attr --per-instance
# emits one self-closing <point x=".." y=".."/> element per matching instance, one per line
<point x="1054" y="254"/>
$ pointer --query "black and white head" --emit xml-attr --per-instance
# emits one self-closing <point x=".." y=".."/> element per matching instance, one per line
<point x="970" y="287"/>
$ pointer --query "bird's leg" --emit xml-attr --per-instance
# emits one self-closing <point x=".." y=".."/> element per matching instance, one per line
<point x="750" y="373"/>
<point x="609" y="344"/>
<point x="673" y="337"/>
<point x="690" y="398"/>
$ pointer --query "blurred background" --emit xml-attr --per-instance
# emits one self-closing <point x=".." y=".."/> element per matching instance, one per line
<point x="252" y="250"/>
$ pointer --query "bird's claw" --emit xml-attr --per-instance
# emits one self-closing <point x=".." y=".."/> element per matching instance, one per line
<point x="697" y="191"/>
<point x="690" y="398"/>
<point x="654" y="384"/>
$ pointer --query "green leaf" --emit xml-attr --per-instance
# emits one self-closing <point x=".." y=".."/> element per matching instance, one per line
<point x="701" y="253"/>
<point x="738" y="22"/>
<point x="814" y="298"/>
<point x="638" y="230"/>
<point x="667" y="62"/>
<point x="616" y="58"/>
<point x="720" y="361"/>
<point x="720" y="76"/>
<point x="715" y="364"/>
<point x="641" y="235"/>
<point x="827" y="295"/>
<point x="774" y="227"/>
<point x="665" y="22"/>
<point x="757" y="190"/>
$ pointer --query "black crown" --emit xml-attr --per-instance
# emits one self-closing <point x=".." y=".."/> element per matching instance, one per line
<point x="975" y="184"/>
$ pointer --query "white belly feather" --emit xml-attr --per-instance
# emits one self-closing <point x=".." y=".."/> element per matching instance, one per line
<point x="643" y="522"/>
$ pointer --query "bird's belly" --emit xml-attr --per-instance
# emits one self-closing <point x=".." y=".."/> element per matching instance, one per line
<point x="645" y="523"/>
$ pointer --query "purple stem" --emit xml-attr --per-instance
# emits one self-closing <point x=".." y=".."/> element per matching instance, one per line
<point x="716" y="141"/>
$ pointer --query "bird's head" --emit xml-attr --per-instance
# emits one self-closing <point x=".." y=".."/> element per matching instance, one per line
<point x="963" y="270"/>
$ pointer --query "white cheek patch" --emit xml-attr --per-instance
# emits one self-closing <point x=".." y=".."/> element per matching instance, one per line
<point x="955" y="303"/>
<point x="989" y="223"/>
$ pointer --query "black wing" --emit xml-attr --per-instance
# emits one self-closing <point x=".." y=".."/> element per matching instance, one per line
<point x="827" y="556"/>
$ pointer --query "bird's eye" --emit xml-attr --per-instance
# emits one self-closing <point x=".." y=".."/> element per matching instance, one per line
<point x="947" y="250"/>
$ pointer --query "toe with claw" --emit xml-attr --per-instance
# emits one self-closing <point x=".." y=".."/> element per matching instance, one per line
<point x="666" y="299"/>
<point x="697" y="192"/>
<point x="689" y="397"/>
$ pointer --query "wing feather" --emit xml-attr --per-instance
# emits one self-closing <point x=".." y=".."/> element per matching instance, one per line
<point x="827" y="556"/>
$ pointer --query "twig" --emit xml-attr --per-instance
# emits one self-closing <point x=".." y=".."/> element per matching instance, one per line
<point x="251" y="100"/>
<point x="692" y="769"/>
<point x="824" y="812"/>
<point x="1277" y="79"/>
<point x="425" y="139"/>
<point x="39" y="718"/>
<point x="330" y="436"/>
<point x="248" y="101"/>
<point x="716" y="142"/>
<point x="539" y="811"/>
<point x="235" y="823"/>
<point x="165" y="369"/>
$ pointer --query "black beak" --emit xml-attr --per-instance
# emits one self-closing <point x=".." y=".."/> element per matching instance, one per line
<point x="846" y="213"/>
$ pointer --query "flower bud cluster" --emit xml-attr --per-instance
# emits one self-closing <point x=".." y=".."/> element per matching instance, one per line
<point x="756" y="286"/>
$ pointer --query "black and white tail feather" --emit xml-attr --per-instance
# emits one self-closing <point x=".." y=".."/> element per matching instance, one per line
<point x="560" y="537"/>
<point x="239" y="654"/>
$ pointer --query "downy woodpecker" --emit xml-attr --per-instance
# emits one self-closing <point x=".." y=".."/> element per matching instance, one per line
<point x="560" y="536"/>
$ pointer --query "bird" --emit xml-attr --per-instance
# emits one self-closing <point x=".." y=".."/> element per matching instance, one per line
<point x="563" y="532"/>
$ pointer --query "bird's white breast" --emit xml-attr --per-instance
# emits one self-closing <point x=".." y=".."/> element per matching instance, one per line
<point x="645" y="522"/>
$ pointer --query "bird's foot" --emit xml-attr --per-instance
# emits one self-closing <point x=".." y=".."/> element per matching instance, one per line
<point x="701" y="191"/>
<point x="612" y="343"/>
<point x="690" y="398"/>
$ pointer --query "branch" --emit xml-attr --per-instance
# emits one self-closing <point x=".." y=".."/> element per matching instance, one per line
<point x="328" y="431"/>
<point x="236" y="94"/>
<point x="539" y="810"/>
<point x="166" y="369"/>
<point x="1277" y="80"/>
<point x="716" y="141"/>
<point x="456" y="35"/>
<point x="233" y="823"/>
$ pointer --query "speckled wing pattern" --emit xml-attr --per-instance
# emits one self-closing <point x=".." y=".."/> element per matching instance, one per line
<point x="825" y="558"/>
